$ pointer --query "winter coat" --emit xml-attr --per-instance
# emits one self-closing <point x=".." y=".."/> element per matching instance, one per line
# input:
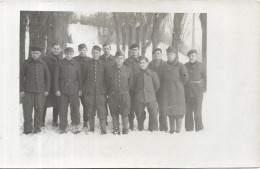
<point x="34" y="76"/>
<point x="51" y="60"/>
<point x="94" y="81"/>
<point x="82" y="60"/>
<point x="176" y="78"/>
<point x="68" y="77"/>
<point x="146" y="83"/>
<point x="197" y="82"/>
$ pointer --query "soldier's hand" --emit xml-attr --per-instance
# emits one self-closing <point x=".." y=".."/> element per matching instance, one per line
<point x="22" y="94"/>
<point x="58" y="93"/>
<point x="46" y="93"/>
<point x="80" y="93"/>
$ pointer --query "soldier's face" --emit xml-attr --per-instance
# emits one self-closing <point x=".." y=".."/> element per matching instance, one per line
<point x="106" y="49"/>
<point x="69" y="55"/>
<point x="56" y="49"/>
<point x="83" y="52"/>
<point x="171" y="56"/>
<point x="193" y="57"/>
<point x="134" y="52"/>
<point x="157" y="55"/>
<point x="120" y="60"/>
<point x="143" y="64"/>
<point x="36" y="54"/>
<point x="95" y="54"/>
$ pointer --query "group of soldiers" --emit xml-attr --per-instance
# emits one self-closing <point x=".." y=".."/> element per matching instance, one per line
<point x="124" y="85"/>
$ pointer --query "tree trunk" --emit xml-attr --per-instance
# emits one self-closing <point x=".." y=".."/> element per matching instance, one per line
<point x="116" y="20"/>
<point x="124" y="38"/>
<point x="37" y="30"/>
<point x="23" y="24"/>
<point x="156" y="34"/>
<point x="177" y="30"/>
<point x="203" y="20"/>
<point x="193" y="31"/>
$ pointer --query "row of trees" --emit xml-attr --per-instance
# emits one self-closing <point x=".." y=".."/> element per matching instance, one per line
<point x="45" y="28"/>
<point x="122" y="29"/>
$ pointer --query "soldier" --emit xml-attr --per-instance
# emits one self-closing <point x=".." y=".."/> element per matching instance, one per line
<point x="194" y="90"/>
<point x="67" y="85"/>
<point x="146" y="83"/>
<point x="160" y="67"/>
<point x="133" y="63"/>
<point x="34" y="87"/>
<point x="119" y="80"/>
<point x="107" y="57"/>
<point x="176" y="77"/>
<point x="52" y="100"/>
<point x="83" y="58"/>
<point x="95" y="91"/>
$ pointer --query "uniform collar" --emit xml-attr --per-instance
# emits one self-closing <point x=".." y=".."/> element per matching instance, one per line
<point x="95" y="61"/>
<point x="85" y="58"/>
<point x="36" y="61"/>
<point x="56" y="57"/>
<point x="121" y="68"/>
<point x="176" y="61"/>
<point x="147" y="71"/>
<point x="132" y="59"/>
<point x="156" y="62"/>
<point x="72" y="61"/>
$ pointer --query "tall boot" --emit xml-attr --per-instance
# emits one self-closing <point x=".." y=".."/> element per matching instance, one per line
<point x="103" y="126"/>
<point x="140" y="125"/>
<point x="172" y="124"/>
<point x="92" y="123"/>
<point x="178" y="124"/>
<point x="125" y="124"/>
<point x="131" y="123"/>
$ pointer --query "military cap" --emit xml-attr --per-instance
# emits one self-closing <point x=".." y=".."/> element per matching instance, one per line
<point x="81" y="46"/>
<point x="119" y="53"/>
<point x="36" y="48"/>
<point x="143" y="58"/>
<point x="191" y="52"/>
<point x="134" y="45"/>
<point x="69" y="49"/>
<point x="96" y="47"/>
<point x="171" y="49"/>
<point x="157" y="49"/>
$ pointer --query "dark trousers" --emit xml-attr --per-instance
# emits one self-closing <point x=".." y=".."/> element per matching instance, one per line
<point x="64" y="101"/>
<point x="153" y="115"/>
<point x="193" y="113"/>
<point x="55" y="110"/>
<point x="85" y="115"/>
<point x="32" y="101"/>
<point x="163" y="124"/>
<point x="96" y="103"/>
<point x="175" y="123"/>
<point x="119" y="104"/>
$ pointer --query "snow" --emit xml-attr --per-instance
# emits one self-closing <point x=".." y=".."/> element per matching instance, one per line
<point x="230" y="115"/>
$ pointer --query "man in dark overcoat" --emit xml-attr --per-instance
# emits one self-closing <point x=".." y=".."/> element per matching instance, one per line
<point x="175" y="78"/>
<point x="133" y="63"/>
<point x="194" y="90"/>
<point x="95" y="90"/>
<point x="52" y="100"/>
<point x="160" y="67"/>
<point x="83" y="58"/>
<point x="34" y="87"/>
<point x="119" y="81"/>
<point x="146" y="84"/>
<point x="68" y="88"/>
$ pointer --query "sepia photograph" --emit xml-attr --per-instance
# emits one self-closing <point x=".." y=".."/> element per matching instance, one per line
<point x="165" y="84"/>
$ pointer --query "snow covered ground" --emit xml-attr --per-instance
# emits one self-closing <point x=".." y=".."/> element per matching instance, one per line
<point x="230" y="115"/>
